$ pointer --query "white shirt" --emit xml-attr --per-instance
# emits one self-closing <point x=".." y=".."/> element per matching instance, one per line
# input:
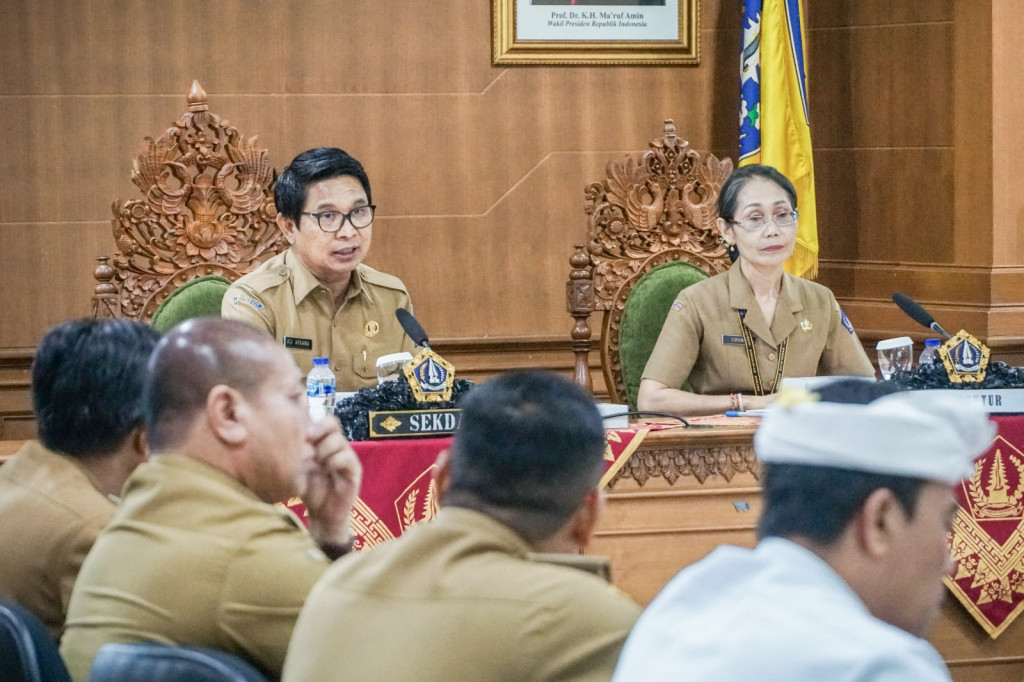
<point x="777" y="612"/>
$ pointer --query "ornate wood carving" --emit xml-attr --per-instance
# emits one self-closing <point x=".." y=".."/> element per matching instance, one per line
<point x="641" y="215"/>
<point x="207" y="208"/>
<point x="670" y="455"/>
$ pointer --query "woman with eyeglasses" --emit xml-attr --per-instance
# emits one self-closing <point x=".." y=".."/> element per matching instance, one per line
<point x="728" y="341"/>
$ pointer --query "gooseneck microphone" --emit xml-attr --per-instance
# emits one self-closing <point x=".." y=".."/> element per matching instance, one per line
<point x="412" y="327"/>
<point x="917" y="313"/>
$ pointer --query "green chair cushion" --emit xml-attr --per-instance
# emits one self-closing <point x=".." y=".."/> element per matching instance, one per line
<point x="199" y="297"/>
<point x="644" y="315"/>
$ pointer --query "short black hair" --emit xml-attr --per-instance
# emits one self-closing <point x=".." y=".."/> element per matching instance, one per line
<point x="739" y="178"/>
<point x="314" y="165"/>
<point x="529" y="448"/>
<point x="87" y="383"/>
<point x="818" y="502"/>
<point x="189" y="361"/>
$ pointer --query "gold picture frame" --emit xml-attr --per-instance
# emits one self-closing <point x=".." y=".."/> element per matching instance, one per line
<point x="595" y="32"/>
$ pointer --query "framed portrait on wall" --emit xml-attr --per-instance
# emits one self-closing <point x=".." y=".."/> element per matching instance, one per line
<point x="596" y="32"/>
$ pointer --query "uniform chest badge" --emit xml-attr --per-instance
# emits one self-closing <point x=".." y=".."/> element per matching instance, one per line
<point x="806" y="325"/>
<point x="371" y="328"/>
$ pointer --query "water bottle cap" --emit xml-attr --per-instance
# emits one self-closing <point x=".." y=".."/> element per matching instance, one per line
<point x="320" y="361"/>
<point x="932" y="343"/>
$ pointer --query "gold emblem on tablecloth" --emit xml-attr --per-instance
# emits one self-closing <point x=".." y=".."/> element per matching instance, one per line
<point x="369" y="529"/>
<point x="418" y="502"/>
<point x="987" y="541"/>
<point x="371" y="328"/>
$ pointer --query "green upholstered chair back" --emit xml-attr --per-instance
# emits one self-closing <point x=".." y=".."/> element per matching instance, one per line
<point x="644" y="315"/>
<point x="199" y="297"/>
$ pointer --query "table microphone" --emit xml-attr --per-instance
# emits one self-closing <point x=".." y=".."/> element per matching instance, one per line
<point x="412" y="327"/>
<point x="917" y="313"/>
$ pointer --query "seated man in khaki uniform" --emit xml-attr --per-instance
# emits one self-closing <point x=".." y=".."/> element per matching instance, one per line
<point x="57" y="495"/>
<point x="317" y="298"/>
<point x="198" y="553"/>
<point x="466" y="596"/>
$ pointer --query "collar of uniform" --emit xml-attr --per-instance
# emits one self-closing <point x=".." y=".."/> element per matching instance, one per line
<point x="482" y="525"/>
<point x="741" y="297"/>
<point x="151" y="468"/>
<point x="53" y="462"/>
<point x="800" y="561"/>
<point x="303" y="281"/>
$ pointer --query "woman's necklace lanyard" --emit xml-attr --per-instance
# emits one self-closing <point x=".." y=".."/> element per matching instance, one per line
<point x="755" y="372"/>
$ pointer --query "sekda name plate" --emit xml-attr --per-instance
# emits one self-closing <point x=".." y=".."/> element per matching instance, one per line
<point x="413" y="423"/>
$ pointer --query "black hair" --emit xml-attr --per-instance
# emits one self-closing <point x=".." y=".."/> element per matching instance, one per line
<point x="818" y="502"/>
<point x="739" y="178"/>
<point x="314" y="165"/>
<point x="529" y="448"/>
<point x="87" y="383"/>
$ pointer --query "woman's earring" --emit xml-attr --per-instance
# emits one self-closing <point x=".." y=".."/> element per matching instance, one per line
<point x="730" y="248"/>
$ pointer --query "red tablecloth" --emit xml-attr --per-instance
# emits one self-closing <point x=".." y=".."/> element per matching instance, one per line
<point x="398" y="484"/>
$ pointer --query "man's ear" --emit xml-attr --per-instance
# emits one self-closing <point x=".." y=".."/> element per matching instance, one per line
<point x="584" y="521"/>
<point x="287" y="226"/>
<point x="140" y="443"/>
<point x="226" y="413"/>
<point x="442" y="474"/>
<point x="878" y="523"/>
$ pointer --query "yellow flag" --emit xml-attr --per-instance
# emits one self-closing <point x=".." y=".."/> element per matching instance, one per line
<point x="774" y="127"/>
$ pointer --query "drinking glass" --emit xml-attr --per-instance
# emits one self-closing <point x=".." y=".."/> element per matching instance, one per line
<point x="894" y="355"/>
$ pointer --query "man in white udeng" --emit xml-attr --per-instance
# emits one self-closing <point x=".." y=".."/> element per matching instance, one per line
<point x="847" y="576"/>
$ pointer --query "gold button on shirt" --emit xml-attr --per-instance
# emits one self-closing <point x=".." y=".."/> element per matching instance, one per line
<point x="702" y="341"/>
<point x="284" y="298"/>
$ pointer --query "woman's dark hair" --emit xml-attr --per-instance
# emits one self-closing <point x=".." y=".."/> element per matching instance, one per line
<point x="738" y="180"/>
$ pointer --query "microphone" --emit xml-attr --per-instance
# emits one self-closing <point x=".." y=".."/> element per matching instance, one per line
<point x="917" y="313"/>
<point x="412" y="327"/>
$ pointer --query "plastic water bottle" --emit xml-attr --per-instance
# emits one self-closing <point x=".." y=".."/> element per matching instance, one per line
<point x="320" y="389"/>
<point x="930" y="354"/>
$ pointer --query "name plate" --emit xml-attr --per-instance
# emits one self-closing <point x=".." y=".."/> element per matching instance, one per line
<point x="994" y="401"/>
<point x="413" y="423"/>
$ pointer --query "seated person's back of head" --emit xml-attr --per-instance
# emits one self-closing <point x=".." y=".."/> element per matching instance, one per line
<point x="197" y="553"/>
<point x="462" y="596"/>
<point x="56" y="494"/>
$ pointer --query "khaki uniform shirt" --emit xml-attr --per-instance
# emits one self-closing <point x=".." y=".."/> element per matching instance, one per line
<point x="458" y="599"/>
<point x="52" y="512"/>
<point x="192" y="557"/>
<point x="284" y="298"/>
<point x="702" y="340"/>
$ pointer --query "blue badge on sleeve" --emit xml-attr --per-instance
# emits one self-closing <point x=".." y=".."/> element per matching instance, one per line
<point x="248" y="300"/>
<point x="677" y="306"/>
<point x="846" y="321"/>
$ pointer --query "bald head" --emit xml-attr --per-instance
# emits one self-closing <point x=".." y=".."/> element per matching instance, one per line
<point x="189" y="361"/>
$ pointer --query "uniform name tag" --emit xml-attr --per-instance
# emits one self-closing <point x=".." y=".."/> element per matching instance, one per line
<point x="732" y="340"/>
<point x="297" y="343"/>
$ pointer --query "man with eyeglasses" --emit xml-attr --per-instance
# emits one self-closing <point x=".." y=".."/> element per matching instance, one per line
<point x="317" y="298"/>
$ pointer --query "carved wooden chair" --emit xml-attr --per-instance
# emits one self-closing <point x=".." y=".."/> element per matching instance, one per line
<point x="207" y="212"/>
<point x="651" y="232"/>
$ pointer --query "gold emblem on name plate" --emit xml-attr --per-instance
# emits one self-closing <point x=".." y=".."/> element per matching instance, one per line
<point x="806" y="325"/>
<point x="371" y="328"/>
